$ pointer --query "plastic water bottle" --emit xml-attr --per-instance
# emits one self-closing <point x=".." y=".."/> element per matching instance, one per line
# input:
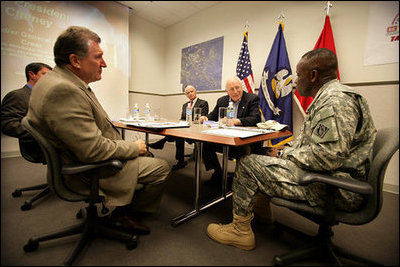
<point x="147" y="111"/>
<point x="189" y="114"/>
<point x="136" y="112"/>
<point x="230" y="114"/>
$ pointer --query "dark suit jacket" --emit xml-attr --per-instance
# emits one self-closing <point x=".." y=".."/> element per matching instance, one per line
<point x="200" y="103"/>
<point x="13" y="108"/>
<point x="248" y="110"/>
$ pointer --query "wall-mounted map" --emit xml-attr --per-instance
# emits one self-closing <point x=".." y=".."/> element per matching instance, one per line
<point x="201" y="65"/>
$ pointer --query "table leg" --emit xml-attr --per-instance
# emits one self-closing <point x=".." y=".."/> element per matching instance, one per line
<point x="147" y="141"/>
<point x="197" y="175"/>
<point x="225" y="152"/>
<point x="180" y="219"/>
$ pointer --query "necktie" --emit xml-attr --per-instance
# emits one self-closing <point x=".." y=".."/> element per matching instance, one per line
<point x="191" y="104"/>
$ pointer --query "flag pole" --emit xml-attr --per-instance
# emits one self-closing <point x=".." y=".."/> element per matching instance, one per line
<point x="328" y="6"/>
<point x="280" y="19"/>
<point x="246" y="26"/>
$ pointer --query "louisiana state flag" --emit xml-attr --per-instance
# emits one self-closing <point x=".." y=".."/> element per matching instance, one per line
<point x="276" y="87"/>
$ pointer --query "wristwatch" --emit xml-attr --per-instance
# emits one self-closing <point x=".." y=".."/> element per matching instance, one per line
<point x="280" y="153"/>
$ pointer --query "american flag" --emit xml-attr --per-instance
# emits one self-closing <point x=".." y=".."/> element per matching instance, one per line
<point x="243" y="68"/>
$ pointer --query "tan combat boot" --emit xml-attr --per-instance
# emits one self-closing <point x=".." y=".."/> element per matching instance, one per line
<point x="238" y="233"/>
<point x="262" y="209"/>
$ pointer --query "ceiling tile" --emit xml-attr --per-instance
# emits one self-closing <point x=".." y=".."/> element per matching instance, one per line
<point x="167" y="13"/>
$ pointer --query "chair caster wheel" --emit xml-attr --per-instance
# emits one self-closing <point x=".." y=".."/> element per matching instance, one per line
<point x="26" y="206"/>
<point x="278" y="261"/>
<point x="16" y="193"/>
<point x="79" y="214"/>
<point x="133" y="242"/>
<point x="32" y="245"/>
<point x="130" y="245"/>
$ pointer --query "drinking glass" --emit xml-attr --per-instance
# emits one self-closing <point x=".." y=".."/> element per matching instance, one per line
<point x="196" y="115"/>
<point x="156" y="114"/>
<point x="222" y="112"/>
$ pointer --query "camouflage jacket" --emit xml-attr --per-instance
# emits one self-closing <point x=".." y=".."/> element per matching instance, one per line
<point x="337" y="135"/>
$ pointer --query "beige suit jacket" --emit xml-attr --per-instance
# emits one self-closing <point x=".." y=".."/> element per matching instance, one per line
<point x="67" y="112"/>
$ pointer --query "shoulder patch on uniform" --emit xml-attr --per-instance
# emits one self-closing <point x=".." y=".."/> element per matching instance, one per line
<point x="321" y="130"/>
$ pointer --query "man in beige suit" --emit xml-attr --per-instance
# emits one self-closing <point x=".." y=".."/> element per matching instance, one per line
<point x="66" y="111"/>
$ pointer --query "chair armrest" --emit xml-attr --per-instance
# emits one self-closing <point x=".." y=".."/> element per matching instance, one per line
<point x="78" y="168"/>
<point x="355" y="186"/>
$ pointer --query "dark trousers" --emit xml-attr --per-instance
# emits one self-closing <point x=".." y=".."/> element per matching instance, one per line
<point x="180" y="147"/>
<point x="210" y="150"/>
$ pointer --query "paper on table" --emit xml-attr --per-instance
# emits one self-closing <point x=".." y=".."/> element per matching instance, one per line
<point x="234" y="132"/>
<point x="160" y="125"/>
<point x="124" y="120"/>
<point x="212" y="124"/>
<point x="272" y="125"/>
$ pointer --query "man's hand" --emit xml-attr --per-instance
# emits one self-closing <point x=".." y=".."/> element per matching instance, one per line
<point x="203" y="118"/>
<point x="273" y="151"/>
<point x="237" y="122"/>
<point x="142" y="147"/>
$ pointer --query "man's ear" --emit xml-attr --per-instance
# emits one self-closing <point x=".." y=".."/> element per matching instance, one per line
<point x="314" y="75"/>
<point x="31" y="75"/>
<point x="74" y="61"/>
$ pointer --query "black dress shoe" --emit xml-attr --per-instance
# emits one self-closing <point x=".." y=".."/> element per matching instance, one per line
<point x="158" y="145"/>
<point x="129" y="223"/>
<point x="179" y="165"/>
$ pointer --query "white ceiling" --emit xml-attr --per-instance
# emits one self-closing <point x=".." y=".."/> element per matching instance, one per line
<point x="167" y="13"/>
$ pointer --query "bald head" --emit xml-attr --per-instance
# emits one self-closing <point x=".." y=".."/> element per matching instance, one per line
<point x="234" y="88"/>
<point x="191" y="92"/>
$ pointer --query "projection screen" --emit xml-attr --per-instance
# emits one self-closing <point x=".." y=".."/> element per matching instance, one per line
<point x="30" y="28"/>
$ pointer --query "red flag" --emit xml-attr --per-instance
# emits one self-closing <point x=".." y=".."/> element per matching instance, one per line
<point x="325" y="40"/>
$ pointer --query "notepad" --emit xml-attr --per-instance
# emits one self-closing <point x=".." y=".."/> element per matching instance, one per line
<point x="234" y="132"/>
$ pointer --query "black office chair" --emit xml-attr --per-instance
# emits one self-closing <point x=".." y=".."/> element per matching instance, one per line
<point x="30" y="150"/>
<point x="92" y="225"/>
<point x="386" y="144"/>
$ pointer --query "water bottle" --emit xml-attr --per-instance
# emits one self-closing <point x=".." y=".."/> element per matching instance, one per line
<point x="230" y="114"/>
<point x="147" y="111"/>
<point x="189" y="114"/>
<point x="136" y="112"/>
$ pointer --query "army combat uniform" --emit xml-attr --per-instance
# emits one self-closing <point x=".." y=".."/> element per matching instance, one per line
<point x="336" y="138"/>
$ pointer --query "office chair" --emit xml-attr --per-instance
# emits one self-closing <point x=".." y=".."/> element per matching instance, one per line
<point x="92" y="225"/>
<point x="25" y="148"/>
<point x="320" y="245"/>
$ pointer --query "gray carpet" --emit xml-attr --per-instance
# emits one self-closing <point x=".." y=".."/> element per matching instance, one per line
<point x="186" y="244"/>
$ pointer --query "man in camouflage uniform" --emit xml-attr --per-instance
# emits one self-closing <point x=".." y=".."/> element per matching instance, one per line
<point x="336" y="138"/>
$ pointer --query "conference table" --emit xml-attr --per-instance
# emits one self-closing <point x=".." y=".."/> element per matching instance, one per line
<point x="196" y="133"/>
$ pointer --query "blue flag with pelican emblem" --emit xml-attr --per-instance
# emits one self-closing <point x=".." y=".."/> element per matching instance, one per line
<point x="276" y="87"/>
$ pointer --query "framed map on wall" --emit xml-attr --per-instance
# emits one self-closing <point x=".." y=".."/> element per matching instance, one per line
<point x="201" y="65"/>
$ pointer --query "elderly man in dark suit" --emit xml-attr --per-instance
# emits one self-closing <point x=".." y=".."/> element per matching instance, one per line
<point x="194" y="102"/>
<point x="65" y="110"/>
<point x="247" y="110"/>
<point x="15" y="106"/>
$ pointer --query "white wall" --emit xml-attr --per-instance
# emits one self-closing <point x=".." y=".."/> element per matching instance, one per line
<point x="303" y="25"/>
<point x="147" y="56"/>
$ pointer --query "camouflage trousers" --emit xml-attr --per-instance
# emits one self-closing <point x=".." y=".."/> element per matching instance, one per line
<point x="277" y="177"/>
